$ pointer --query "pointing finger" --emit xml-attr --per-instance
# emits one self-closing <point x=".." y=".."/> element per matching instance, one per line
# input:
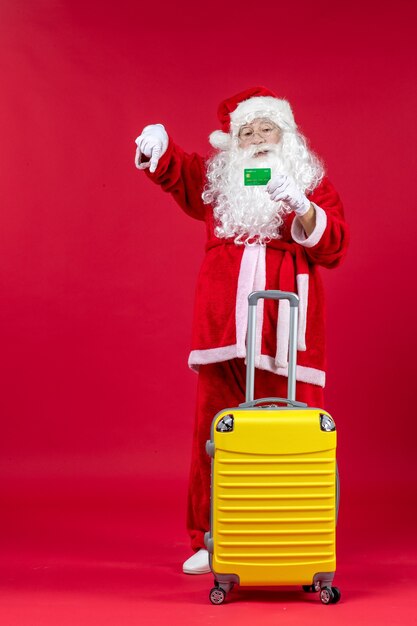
<point x="156" y="152"/>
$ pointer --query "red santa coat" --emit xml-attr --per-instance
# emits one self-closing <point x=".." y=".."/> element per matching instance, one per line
<point x="230" y="272"/>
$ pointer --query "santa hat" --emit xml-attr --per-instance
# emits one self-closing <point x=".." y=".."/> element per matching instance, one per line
<point x="245" y="107"/>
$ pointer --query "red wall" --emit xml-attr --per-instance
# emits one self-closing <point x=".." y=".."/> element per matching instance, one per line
<point x="98" y="266"/>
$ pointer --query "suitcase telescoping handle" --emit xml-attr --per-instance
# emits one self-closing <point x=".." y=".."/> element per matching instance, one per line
<point x="292" y="356"/>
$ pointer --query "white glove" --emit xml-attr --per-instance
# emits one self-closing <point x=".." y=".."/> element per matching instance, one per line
<point x="152" y="142"/>
<point x="282" y="187"/>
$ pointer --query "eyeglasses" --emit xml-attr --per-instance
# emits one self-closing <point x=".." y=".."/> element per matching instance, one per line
<point x="246" y="133"/>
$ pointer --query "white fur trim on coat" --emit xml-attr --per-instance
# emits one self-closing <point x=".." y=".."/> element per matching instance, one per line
<point x="259" y="285"/>
<point x="303" y="374"/>
<point x="245" y="285"/>
<point x="302" y="290"/>
<point x="215" y="355"/>
<point x="298" y="234"/>
<point x="211" y="355"/>
<point x="283" y="334"/>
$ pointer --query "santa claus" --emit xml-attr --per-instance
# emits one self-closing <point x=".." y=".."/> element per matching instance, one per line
<point x="259" y="236"/>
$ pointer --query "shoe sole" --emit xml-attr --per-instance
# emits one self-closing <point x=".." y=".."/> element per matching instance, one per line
<point x="193" y="571"/>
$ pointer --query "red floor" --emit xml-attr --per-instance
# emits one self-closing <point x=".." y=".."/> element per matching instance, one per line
<point x="81" y="559"/>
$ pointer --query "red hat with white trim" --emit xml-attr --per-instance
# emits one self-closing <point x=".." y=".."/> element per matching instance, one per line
<point x="246" y="106"/>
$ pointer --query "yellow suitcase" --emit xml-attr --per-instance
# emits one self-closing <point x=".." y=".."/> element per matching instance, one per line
<point x="274" y="486"/>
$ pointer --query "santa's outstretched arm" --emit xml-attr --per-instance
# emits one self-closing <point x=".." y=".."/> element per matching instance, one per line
<point x="178" y="173"/>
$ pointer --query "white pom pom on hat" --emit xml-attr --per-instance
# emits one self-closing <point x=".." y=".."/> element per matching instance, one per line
<point x="220" y="140"/>
<point x="247" y="106"/>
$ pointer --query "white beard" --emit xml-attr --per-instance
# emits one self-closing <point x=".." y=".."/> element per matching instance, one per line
<point x="246" y="212"/>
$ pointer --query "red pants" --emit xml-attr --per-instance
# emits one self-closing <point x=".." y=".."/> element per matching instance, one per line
<point x="221" y="386"/>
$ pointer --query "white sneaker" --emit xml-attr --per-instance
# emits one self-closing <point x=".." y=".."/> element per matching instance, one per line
<point x="197" y="564"/>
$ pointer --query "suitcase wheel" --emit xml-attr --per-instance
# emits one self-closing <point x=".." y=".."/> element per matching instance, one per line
<point x="336" y="594"/>
<point x="330" y="595"/>
<point x="309" y="588"/>
<point x="217" y="595"/>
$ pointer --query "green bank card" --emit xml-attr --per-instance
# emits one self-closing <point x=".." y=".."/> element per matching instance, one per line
<point x="257" y="176"/>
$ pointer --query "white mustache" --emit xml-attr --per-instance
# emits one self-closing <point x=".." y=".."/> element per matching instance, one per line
<point x="251" y="151"/>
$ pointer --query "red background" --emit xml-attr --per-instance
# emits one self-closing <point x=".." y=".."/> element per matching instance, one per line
<point x="98" y="269"/>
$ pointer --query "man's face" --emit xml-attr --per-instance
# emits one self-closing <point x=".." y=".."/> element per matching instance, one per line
<point x="260" y="131"/>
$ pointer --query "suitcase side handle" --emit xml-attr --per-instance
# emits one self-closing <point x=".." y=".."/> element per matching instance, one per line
<point x="292" y="351"/>
<point x="295" y="403"/>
